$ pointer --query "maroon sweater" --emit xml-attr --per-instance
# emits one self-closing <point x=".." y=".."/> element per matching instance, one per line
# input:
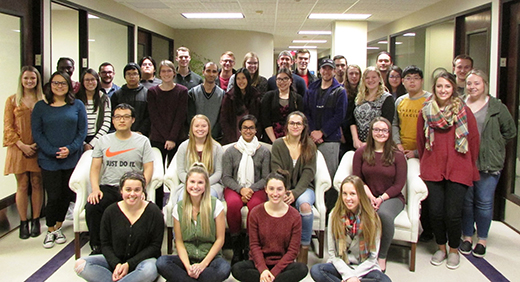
<point x="443" y="161"/>
<point x="379" y="178"/>
<point x="274" y="241"/>
<point x="168" y="111"/>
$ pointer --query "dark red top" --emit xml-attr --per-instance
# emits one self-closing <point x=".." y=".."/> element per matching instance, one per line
<point x="274" y="241"/>
<point x="443" y="161"/>
<point x="379" y="178"/>
<point x="168" y="112"/>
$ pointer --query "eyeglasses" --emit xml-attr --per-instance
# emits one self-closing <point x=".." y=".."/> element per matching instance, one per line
<point x="124" y="117"/>
<point x="89" y="80"/>
<point x="59" y="83"/>
<point x="107" y="72"/>
<point x="295" y="124"/>
<point x="250" y="128"/>
<point x="410" y="78"/>
<point x="284" y="79"/>
<point x="381" y="130"/>
<point x="228" y="61"/>
<point x="394" y="77"/>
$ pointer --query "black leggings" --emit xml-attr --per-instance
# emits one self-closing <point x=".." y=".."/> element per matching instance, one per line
<point x="247" y="272"/>
<point x="59" y="195"/>
<point x="445" y="201"/>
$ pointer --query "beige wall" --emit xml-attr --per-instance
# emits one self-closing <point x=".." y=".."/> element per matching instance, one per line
<point x="211" y="43"/>
<point x="65" y="38"/>
<point x="10" y="71"/>
<point x="439" y="50"/>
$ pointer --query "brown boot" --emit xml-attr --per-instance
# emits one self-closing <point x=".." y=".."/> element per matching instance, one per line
<point x="303" y="254"/>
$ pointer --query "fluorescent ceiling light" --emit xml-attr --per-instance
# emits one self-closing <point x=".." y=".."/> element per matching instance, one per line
<point x="213" y="15"/>
<point x="382" y="42"/>
<point x="16" y="30"/>
<point x="90" y="16"/>
<point x="398" y="43"/>
<point x="92" y="40"/>
<point x="409" y="34"/>
<point x="309" y="41"/>
<point x="303" y="47"/>
<point x="315" y="32"/>
<point x="339" y="16"/>
<point x="372" y="48"/>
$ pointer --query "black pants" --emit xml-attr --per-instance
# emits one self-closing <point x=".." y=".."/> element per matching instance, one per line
<point x="56" y="184"/>
<point x="94" y="213"/>
<point x="445" y="200"/>
<point x="168" y="155"/>
<point x="247" y="272"/>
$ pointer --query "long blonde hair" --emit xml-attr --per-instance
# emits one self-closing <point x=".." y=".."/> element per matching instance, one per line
<point x="207" y="151"/>
<point x="371" y="225"/>
<point x="38" y="88"/>
<point x="205" y="203"/>
<point x="363" y="89"/>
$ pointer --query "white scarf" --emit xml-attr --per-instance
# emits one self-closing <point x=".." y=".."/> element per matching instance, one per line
<point x="246" y="168"/>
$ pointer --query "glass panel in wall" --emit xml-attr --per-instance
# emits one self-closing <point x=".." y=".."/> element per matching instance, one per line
<point x="10" y="60"/>
<point x="108" y="42"/>
<point x="410" y="49"/>
<point x="65" y="36"/>
<point x="160" y="48"/>
<point x="373" y="48"/>
<point x="478" y="50"/>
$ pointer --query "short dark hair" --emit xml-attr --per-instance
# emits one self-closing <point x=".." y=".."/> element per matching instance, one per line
<point x="208" y="64"/>
<point x="463" y="57"/>
<point x="104" y="65"/>
<point x="65" y="59"/>
<point x="385" y="53"/>
<point x="337" y="57"/>
<point x="49" y="95"/>
<point x="132" y="66"/>
<point x="412" y="69"/>
<point x="279" y="174"/>
<point x="247" y="117"/>
<point x="133" y="175"/>
<point x="124" y="106"/>
<point x="151" y="60"/>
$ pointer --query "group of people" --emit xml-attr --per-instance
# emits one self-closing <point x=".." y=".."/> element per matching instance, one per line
<point x="382" y="113"/>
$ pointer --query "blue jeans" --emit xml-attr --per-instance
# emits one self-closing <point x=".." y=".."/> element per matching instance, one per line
<point x="478" y="205"/>
<point x="172" y="269"/>
<point x="97" y="269"/>
<point x="306" y="197"/>
<point x="326" y="272"/>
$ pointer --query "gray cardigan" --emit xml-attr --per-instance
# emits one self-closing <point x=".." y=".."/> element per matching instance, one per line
<point x="300" y="176"/>
<point x="231" y="162"/>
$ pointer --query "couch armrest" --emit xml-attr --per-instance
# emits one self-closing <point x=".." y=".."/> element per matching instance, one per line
<point x="171" y="180"/>
<point x="157" y="176"/>
<point x="79" y="182"/>
<point x="322" y="183"/>
<point x="416" y="191"/>
<point x="344" y="169"/>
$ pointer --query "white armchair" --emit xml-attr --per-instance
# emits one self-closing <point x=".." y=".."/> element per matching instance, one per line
<point x="407" y="222"/>
<point x="322" y="183"/>
<point x="80" y="183"/>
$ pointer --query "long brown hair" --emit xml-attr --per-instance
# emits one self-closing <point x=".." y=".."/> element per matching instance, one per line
<point x="307" y="147"/>
<point x="207" y="151"/>
<point x="37" y="88"/>
<point x="453" y="81"/>
<point x="370" y="223"/>
<point x="388" y="148"/>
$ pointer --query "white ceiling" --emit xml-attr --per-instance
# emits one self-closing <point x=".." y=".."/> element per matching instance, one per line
<point x="282" y="18"/>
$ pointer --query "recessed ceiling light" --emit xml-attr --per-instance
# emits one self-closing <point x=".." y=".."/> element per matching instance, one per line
<point x="303" y="47"/>
<point x="339" y="16"/>
<point x="315" y="32"/>
<point x="409" y="34"/>
<point x="382" y="42"/>
<point x="372" y="48"/>
<point x="213" y="15"/>
<point x="309" y="41"/>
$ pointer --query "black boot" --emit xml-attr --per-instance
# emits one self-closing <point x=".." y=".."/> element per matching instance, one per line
<point x="24" y="229"/>
<point x="237" y="242"/>
<point x="35" y="227"/>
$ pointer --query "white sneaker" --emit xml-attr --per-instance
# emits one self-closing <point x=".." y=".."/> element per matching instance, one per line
<point x="60" y="237"/>
<point x="48" y="242"/>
